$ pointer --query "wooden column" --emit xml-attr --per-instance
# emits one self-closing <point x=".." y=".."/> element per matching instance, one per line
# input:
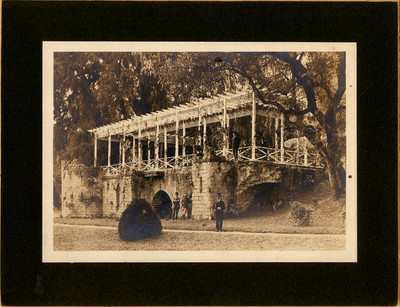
<point x="227" y="131"/>
<point x="282" y="138"/>
<point x="297" y="148"/>
<point x="276" y="132"/>
<point x="253" y="128"/>
<point x="140" y="147"/>
<point x="165" y="146"/>
<point x="95" y="149"/>
<point x="123" y="148"/>
<point x="148" y="148"/>
<point x="204" y="134"/>
<point x="133" y="148"/>
<point x="224" y="130"/>
<point x="156" y="150"/>
<point x="305" y="152"/>
<point x="199" y="126"/>
<point x="176" y="138"/>
<point x="183" y="139"/>
<point x="109" y="150"/>
<point x="120" y="151"/>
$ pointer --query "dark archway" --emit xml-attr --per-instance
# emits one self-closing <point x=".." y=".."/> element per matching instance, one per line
<point x="162" y="204"/>
<point x="266" y="195"/>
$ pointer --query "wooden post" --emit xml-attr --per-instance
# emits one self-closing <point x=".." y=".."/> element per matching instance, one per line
<point x="123" y="147"/>
<point x="276" y="132"/>
<point x="95" y="149"/>
<point x="282" y="138"/>
<point x="120" y="150"/>
<point x="140" y="147"/>
<point x="305" y="152"/>
<point x="253" y="129"/>
<point x="133" y="149"/>
<point x="204" y="134"/>
<point x="183" y="139"/>
<point x="224" y="130"/>
<point x="165" y="146"/>
<point x="109" y="149"/>
<point x="148" y="148"/>
<point x="176" y="138"/>
<point x="227" y="131"/>
<point x="297" y="148"/>
<point x="156" y="153"/>
<point x="199" y="126"/>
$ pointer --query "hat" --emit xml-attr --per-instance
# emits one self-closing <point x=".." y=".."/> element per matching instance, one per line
<point x="218" y="194"/>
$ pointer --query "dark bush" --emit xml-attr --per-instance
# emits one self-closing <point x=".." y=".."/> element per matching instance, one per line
<point x="300" y="215"/>
<point x="139" y="221"/>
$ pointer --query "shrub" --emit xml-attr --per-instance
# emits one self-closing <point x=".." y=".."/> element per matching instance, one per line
<point x="301" y="215"/>
<point x="139" y="221"/>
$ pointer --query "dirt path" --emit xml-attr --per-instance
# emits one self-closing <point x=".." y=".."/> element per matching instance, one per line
<point x="92" y="238"/>
<point x="208" y="231"/>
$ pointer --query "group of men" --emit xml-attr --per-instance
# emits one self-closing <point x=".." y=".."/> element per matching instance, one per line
<point x="186" y="204"/>
<point x="218" y="208"/>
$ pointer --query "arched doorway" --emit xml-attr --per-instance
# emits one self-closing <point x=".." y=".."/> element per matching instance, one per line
<point x="162" y="204"/>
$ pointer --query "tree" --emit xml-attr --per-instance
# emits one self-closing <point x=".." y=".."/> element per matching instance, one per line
<point x="309" y="88"/>
<point x="93" y="89"/>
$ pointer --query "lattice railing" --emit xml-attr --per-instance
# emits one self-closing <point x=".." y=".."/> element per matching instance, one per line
<point x="290" y="157"/>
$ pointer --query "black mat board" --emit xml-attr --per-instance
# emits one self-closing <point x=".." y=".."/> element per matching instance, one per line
<point x="25" y="280"/>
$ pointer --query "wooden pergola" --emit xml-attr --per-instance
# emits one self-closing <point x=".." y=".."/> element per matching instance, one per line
<point x="169" y="126"/>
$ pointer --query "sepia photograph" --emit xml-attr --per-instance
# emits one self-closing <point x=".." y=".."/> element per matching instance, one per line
<point x="183" y="152"/>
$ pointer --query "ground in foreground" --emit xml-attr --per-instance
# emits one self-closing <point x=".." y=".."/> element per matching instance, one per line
<point x="88" y="238"/>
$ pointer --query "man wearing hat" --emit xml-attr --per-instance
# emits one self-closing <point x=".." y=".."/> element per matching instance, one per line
<point x="219" y="207"/>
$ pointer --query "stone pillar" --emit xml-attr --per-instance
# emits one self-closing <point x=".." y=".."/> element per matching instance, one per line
<point x="253" y="129"/>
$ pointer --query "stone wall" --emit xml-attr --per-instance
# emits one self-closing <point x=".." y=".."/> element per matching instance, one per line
<point x="117" y="194"/>
<point x="86" y="193"/>
<point x="81" y="190"/>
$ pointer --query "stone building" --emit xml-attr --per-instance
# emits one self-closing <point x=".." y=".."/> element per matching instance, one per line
<point x="170" y="151"/>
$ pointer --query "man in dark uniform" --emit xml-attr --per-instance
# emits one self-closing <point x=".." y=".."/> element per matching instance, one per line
<point x="175" y="206"/>
<point x="219" y="207"/>
<point x="236" y="144"/>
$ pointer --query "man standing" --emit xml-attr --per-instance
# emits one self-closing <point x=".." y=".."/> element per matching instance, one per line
<point x="175" y="206"/>
<point x="219" y="207"/>
<point x="236" y="144"/>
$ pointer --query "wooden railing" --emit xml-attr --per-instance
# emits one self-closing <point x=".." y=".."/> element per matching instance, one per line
<point x="289" y="157"/>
